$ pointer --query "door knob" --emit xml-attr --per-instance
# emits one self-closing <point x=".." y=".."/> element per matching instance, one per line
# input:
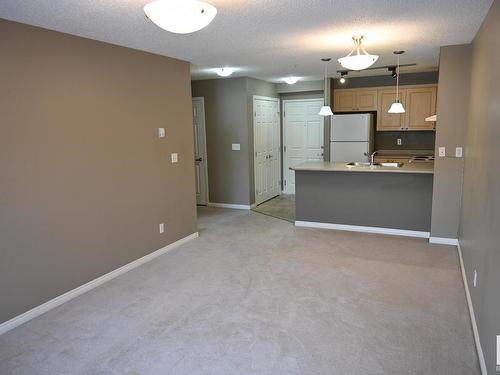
<point x="198" y="159"/>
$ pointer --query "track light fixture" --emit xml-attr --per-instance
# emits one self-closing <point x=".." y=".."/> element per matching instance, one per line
<point x="343" y="75"/>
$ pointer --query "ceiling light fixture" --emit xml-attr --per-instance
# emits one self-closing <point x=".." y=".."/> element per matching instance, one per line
<point x="342" y="79"/>
<point x="224" y="72"/>
<point x="326" y="110"/>
<point x="291" y="80"/>
<point x="358" y="59"/>
<point x="397" y="107"/>
<point x="180" y="16"/>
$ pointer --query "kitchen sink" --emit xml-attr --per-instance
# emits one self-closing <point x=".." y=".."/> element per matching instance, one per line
<point x="358" y="164"/>
<point x="396" y="165"/>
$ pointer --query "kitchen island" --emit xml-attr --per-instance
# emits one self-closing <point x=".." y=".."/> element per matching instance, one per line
<point x="393" y="200"/>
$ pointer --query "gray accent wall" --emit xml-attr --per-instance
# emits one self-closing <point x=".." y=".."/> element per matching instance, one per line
<point x="85" y="181"/>
<point x="480" y="220"/>
<point x="452" y="112"/>
<point x="229" y="119"/>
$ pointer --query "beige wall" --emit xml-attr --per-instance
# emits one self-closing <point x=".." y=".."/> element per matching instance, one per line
<point x="84" y="179"/>
<point x="480" y="223"/>
<point x="451" y="127"/>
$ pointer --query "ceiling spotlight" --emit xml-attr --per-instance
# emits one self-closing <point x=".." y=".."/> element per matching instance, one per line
<point x="393" y="71"/>
<point x="180" y="16"/>
<point x="224" y="72"/>
<point x="358" y="59"/>
<point x="291" y="80"/>
<point x="342" y="79"/>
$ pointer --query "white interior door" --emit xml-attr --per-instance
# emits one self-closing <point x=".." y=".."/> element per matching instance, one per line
<point x="266" y="148"/>
<point x="200" y="151"/>
<point x="303" y="136"/>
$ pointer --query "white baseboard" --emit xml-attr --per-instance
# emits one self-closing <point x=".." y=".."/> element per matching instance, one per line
<point x="229" y="205"/>
<point x="443" y="241"/>
<point x="358" y="228"/>
<point x="49" y="305"/>
<point x="480" y="354"/>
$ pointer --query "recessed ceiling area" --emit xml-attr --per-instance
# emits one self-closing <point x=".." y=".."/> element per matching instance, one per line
<point x="271" y="39"/>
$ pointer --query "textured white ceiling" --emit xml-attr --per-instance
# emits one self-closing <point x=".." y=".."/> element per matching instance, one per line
<point x="270" y="39"/>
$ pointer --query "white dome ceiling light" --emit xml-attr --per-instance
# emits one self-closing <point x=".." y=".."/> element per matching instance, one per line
<point x="224" y="72"/>
<point x="180" y="16"/>
<point x="358" y="59"/>
<point x="326" y="110"/>
<point x="291" y="80"/>
<point x="397" y="106"/>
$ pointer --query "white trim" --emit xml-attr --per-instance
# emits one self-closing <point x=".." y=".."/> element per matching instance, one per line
<point x="205" y="157"/>
<point x="359" y="228"/>
<point x="230" y="205"/>
<point x="268" y="98"/>
<point x="49" y="305"/>
<point x="443" y="241"/>
<point x="480" y="354"/>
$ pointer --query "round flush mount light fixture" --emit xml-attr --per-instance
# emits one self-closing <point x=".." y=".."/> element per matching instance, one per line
<point x="180" y="16"/>
<point x="358" y="59"/>
<point x="224" y="72"/>
<point x="291" y="80"/>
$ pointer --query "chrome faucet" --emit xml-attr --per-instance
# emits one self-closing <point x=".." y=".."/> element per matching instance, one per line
<point x="372" y="158"/>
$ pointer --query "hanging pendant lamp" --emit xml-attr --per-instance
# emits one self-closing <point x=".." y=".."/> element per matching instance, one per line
<point x="397" y="106"/>
<point x="358" y="59"/>
<point x="326" y="110"/>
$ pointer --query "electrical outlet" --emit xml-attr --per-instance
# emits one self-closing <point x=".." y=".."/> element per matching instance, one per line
<point x="475" y="278"/>
<point x="174" y="157"/>
<point x="162" y="228"/>
<point x="459" y="152"/>
<point x="442" y="152"/>
<point x="236" y="147"/>
<point x="399" y="142"/>
<point x="161" y="132"/>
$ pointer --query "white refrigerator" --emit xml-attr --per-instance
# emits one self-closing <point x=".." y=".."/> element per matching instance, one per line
<point x="351" y="137"/>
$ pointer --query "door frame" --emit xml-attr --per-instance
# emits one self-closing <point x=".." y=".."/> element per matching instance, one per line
<point x="278" y="114"/>
<point x="283" y="135"/>
<point x="205" y="157"/>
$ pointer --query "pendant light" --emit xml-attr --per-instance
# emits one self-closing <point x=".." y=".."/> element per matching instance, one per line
<point x="397" y="107"/>
<point x="180" y="16"/>
<point x="358" y="59"/>
<point x="326" y="110"/>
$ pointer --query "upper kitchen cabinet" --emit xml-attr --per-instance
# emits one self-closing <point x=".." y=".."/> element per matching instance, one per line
<point x="390" y="121"/>
<point x="355" y="100"/>
<point x="421" y="103"/>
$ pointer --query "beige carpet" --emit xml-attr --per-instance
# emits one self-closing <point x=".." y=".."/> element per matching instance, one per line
<point x="255" y="295"/>
<point x="281" y="207"/>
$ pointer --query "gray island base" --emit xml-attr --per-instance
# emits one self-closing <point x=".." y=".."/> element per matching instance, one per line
<point x="346" y="197"/>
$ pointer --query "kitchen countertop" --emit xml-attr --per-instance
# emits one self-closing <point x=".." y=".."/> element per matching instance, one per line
<point x="320" y="166"/>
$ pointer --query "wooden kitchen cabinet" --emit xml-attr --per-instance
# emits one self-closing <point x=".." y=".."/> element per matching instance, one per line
<point x="421" y="103"/>
<point x="390" y="121"/>
<point x="355" y="100"/>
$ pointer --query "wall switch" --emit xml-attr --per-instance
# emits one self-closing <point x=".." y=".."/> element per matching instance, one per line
<point x="174" y="157"/>
<point x="399" y="142"/>
<point x="161" y="132"/>
<point x="442" y="152"/>
<point x="459" y="152"/>
<point x="162" y="228"/>
<point x="235" y="147"/>
<point x="475" y="278"/>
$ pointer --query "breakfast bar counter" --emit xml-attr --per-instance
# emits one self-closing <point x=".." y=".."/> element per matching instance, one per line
<point x="395" y="200"/>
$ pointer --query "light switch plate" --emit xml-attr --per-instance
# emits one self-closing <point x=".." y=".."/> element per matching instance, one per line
<point x="459" y="152"/>
<point x="161" y="132"/>
<point x="236" y="147"/>
<point x="174" y="157"/>
<point x="442" y="152"/>
<point x="162" y="228"/>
